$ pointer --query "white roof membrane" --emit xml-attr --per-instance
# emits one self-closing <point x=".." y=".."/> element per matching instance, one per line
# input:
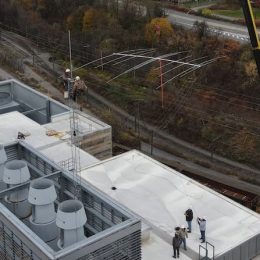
<point x="56" y="149"/>
<point x="161" y="195"/>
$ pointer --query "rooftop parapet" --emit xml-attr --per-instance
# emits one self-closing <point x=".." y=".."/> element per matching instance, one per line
<point x="110" y="230"/>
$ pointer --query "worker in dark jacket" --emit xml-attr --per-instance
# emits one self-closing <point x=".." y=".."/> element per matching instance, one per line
<point x="66" y="83"/>
<point x="78" y="88"/>
<point x="189" y="217"/>
<point x="202" y="225"/>
<point x="176" y="242"/>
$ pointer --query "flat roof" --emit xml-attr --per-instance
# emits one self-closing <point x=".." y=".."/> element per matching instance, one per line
<point x="161" y="195"/>
<point x="45" y="110"/>
<point x="157" y="248"/>
<point x="87" y="124"/>
<point x="54" y="147"/>
<point x="61" y="154"/>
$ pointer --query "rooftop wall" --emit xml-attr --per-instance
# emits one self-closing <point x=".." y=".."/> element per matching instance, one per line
<point x="111" y="230"/>
<point x="29" y="100"/>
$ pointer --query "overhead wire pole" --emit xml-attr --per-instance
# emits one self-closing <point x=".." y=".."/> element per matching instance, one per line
<point x="161" y="82"/>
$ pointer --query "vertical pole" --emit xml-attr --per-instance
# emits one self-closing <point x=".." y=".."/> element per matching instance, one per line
<point x="117" y="8"/>
<point x="151" y="143"/>
<point x="161" y="82"/>
<point x="139" y="125"/>
<point x="48" y="111"/>
<point x="135" y="121"/>
<point x="101" y="59"/>
<point x="70" y="56"/>
<point x="134" y="70"/>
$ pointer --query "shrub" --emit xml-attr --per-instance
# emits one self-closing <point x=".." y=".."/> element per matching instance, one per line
<point x="206" y="12"/>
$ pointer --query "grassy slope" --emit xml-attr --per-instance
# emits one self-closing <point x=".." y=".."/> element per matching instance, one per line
<point x="236" y="13"/>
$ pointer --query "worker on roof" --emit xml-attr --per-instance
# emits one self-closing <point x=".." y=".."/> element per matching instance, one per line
<point x="202" y="225"/>
<point x="176" y="242"/>
<point x="79" y="88"/>
<point x="66" y="83"/>
<point x="183" y="235"/>
<point x="189" y="217"/>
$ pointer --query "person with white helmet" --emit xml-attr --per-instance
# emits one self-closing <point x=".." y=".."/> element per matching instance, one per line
<point x="202" y="225"/>
<point x="183" y="234"/>
<point x="78" y="88"/>
<point x="66" y="83"/>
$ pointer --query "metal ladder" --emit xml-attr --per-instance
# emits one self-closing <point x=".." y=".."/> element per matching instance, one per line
<point x="206" y="250"/>
<point x="75" y="142"/>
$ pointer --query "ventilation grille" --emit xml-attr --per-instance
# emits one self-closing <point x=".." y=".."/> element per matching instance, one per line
<point x="11" y="152"/>
<point x="128" y="247"/>
<point x="11" y="247"/>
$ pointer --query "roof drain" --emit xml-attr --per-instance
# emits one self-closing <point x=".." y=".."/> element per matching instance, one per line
<point x="3" y="159"/>
<point x="71" y="218"/>
<point x="42" y="195"/>
<point x="16" y="172"/>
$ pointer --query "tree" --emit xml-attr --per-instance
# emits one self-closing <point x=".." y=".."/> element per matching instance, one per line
<point x="158" y="30"/>
<point x="230" y="50"/>
<point x="201" y="29"/>
<point x="90" y="19"/>
<point x="251" y="70"/>
<point x="74" y="20"/>
<point x="152" y="77"/>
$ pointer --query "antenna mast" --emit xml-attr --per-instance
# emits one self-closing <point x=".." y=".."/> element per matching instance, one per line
<point x="74" y="136"/>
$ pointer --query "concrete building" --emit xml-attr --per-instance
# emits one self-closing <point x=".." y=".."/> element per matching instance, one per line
<point x="115" y="192"/>
<point x="96" y="228"/>
<point x="52" y="116"/>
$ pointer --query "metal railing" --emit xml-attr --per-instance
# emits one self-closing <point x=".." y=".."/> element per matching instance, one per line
<point x="206" y="250"/>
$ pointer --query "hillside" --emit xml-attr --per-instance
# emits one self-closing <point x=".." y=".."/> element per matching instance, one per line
<point x="216" y="107"/>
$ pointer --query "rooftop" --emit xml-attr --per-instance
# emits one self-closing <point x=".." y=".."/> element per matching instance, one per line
<point x="111" y="230"/>
<point x="96" y="137"/>
<point x="160" y="196"/>
<point x="36" y="137"/>
<point x="16" y="96"/>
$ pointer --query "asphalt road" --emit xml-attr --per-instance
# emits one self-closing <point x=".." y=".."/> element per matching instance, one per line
<point x="226" y="29"/>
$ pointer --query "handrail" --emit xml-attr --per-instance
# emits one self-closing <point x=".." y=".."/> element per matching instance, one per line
<point x="207" y="251"/>
<point x="213" y="247"/>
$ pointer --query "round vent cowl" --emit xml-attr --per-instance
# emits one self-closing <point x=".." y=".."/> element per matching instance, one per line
<point x="16" y="172"/>
<point x="71" y="218"/>
<point x="42" y="195"/>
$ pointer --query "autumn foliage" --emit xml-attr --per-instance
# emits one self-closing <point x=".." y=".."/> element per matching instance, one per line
<point x="158" y="30"/>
